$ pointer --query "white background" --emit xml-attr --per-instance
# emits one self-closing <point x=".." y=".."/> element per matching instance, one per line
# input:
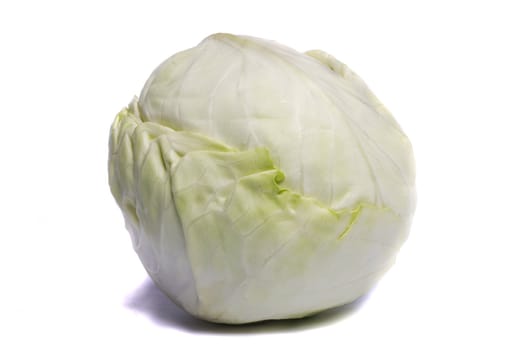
<point x="453" y="74"/>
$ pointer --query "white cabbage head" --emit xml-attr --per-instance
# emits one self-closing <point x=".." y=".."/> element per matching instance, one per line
<point x="260" y="183"/>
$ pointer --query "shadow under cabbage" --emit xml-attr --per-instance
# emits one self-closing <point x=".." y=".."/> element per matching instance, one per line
<point x="151" y="301"/>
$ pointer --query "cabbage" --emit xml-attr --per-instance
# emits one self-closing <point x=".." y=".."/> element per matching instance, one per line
<point x="261" y="183"/>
